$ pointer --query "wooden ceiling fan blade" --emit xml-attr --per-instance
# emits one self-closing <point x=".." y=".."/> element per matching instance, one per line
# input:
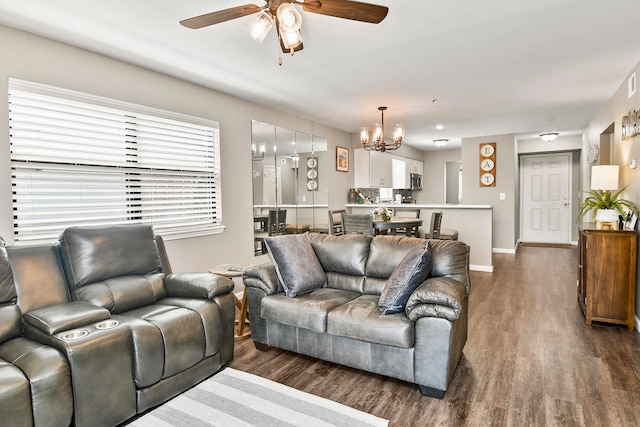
<point x="347" y="9"/>
<point x="220" y="16"/>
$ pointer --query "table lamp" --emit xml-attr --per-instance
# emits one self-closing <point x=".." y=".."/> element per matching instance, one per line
<point x="605" y="179"/>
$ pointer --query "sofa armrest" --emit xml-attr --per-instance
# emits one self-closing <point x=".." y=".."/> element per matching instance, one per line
<point x="437" y="297"/>
<point x="263" y="277"/>
<point x="64" y="317"/>
<point x="197" y="285"/>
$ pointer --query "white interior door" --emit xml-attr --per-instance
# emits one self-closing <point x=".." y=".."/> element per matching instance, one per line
<point x="271" y="185"/>
<point x="546" y="202"/>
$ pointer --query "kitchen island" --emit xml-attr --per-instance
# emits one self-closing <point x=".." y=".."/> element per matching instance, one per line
<point x="473" y="222"/>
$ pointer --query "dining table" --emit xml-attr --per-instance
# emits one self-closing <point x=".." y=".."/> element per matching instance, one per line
<point x="391" y="225"/>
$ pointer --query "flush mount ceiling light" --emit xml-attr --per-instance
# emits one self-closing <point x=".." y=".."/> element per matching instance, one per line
<point x="548" y="136"/>
<point x="374" y="141"/>
<point x="288" y="19"/>
<point x="440" y="142"/>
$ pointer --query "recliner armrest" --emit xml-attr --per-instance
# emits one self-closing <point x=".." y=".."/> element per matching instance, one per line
<point x="263" y="277"/>
<point x="64" y="317"/>
<point x="197" y="285"/>
<point x="437" y="297"/>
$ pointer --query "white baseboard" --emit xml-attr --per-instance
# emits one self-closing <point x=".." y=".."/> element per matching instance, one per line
<point x="503" y="251"/>
<point x="636" y="322"/>
<point x="484" y="268"/>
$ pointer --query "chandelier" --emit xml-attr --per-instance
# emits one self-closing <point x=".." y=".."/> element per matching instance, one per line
<point x="288" y="22"/>
<point x="374" y="141"/>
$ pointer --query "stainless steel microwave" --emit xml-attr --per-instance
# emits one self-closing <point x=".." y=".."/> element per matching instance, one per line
<point x="416" y="181"/>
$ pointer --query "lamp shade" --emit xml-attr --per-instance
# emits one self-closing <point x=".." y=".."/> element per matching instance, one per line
<point x="604" y="177"/>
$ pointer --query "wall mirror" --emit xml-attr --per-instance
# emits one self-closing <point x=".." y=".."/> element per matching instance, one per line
<point x="453" y="182"/>
<point x="290" y="182"/>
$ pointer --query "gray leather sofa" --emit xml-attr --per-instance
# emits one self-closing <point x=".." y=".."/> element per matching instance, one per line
<point x="342" y="322"/>
<point x="119" y="331"/>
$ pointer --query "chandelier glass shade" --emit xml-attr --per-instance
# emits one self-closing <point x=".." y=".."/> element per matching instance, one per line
<point x="375" y="140"/>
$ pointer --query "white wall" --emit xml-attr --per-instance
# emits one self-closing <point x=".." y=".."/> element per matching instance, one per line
<point x="433" y="176"/>
<point x="504" y="211"/>
<point x="29" y="57"/>
<point x="623" y="151"/>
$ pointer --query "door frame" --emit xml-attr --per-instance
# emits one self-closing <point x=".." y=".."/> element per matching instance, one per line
<point x="569" y="190"/>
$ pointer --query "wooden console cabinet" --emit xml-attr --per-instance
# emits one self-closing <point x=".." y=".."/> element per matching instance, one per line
<point x="607" y="275"/>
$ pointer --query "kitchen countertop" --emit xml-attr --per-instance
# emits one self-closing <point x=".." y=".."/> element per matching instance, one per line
<point x="418" y="206"/>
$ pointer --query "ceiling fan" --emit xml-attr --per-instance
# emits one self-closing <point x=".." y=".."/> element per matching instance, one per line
<point x="287" y="18"/>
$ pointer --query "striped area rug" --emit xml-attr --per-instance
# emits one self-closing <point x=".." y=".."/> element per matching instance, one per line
<point x="235" y="398"/>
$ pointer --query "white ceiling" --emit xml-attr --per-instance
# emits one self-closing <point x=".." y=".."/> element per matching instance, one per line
<point x="480" y="67"/>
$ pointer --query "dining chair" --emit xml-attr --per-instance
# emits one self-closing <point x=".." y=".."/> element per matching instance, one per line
<point x="407" y="213"/>
<point x="357" y="224"/>
<point x="335" y="222"/>
<point x="276" y="226"/>
<point x="434" y="228"/>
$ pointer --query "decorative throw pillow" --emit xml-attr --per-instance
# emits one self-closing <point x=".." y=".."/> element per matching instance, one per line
<point x="296" y="263"/>
<point x="407" y="276"/>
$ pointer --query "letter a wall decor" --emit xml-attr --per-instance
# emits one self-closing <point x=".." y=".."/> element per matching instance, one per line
<point x="488" y="164"/>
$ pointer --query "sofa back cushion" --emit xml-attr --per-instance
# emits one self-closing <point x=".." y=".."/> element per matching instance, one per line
<point x="123" y="293"/>
<point x="343" y="258"/>
<point x="38" y="275"/>
<point x="116" y="267"/>
<point x="93" y="254"/>
<point x="9" y="312"/>
<point x="451" y="259"/>
<point x="387" y="252"/>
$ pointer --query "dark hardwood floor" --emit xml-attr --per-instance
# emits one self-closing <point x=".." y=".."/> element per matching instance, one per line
<point x="530" y="360"/>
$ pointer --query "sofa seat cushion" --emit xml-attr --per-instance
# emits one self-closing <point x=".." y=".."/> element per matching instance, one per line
<point x="308" y="311"/>
<point x="15" y="404"/>
<point x="361" y="319"/>
<point x="166" y="340"/>
<point x="35" y="385"/>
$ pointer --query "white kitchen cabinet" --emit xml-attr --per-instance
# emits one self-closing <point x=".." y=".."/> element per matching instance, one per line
<point x="415" y="166"/>
<point x="400" y="174"/>
<point x="372" y="169"/>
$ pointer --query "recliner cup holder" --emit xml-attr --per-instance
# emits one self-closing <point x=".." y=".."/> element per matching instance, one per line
<point x="75" y="334"/>
<point x="107" y="324"/>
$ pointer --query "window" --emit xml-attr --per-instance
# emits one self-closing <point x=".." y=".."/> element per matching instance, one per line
<point x="79" y="159"/>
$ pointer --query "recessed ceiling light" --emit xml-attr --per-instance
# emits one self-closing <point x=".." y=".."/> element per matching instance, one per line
<point x="439" y="126"/>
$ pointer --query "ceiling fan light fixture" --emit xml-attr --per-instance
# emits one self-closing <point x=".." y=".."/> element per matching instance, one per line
<point x="290" y="39"/>
<point x="259" y="27"/>
<point x="288" y="17"/>
<point x="549" y="136"/>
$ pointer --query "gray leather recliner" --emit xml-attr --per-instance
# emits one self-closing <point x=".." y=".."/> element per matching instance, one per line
<point x="35" y="385"/>
<point x="110" y="334"/>
<point x="181" y="324"/>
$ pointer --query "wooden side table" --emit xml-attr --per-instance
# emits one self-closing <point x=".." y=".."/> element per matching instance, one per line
<point x="236" y="271"/>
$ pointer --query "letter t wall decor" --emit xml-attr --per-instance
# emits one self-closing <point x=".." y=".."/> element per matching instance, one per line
<point x="488" y="164"/>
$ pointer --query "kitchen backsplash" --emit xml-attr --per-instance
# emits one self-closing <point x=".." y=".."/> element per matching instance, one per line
<point x="372" y="195"/>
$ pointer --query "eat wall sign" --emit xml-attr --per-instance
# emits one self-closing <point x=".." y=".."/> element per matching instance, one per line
<point x="488" y="164"/>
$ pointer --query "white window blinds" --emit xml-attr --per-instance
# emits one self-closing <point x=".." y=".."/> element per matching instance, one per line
<point x="79" y="159"/>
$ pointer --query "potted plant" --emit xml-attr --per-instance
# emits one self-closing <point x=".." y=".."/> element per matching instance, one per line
<point x="606" y="206"/>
